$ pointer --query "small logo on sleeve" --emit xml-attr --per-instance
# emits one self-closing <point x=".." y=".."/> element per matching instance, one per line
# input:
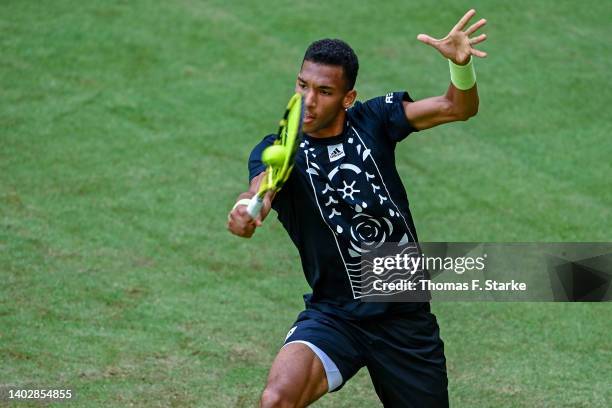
<point x="389" y="98"/>
<point x="335" y="152"/>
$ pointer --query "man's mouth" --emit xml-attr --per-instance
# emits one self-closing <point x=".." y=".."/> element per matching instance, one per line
<point x="308" y="118"/>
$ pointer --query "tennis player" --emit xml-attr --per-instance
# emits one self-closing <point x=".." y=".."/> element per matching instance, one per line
<point x="345" y="190"/>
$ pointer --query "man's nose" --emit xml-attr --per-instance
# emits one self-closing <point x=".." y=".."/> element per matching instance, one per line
<point x="310" y="99"/>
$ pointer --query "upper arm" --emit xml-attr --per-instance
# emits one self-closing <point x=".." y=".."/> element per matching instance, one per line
<point x="429" y="112"/>
<point x="452" y="106"/>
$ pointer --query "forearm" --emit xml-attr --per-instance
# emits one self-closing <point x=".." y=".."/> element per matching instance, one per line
<point x="253" y="189"/>
<point x="239" y="221"/>
<point x="267" y="206"/>
<point x="463" y="104"/>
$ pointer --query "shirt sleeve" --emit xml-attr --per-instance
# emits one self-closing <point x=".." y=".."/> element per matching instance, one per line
<point x="389" y="110"/>
<point x="256" y="166"/>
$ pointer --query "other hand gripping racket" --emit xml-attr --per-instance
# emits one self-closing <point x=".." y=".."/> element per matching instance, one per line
<point x="280" y="156"/>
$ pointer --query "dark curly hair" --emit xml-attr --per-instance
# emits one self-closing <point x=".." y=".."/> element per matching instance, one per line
<point x="334" y="52"/>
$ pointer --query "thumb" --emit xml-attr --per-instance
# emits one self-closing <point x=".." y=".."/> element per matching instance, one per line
<point x="425" y="39"/>
<point x="258" y="222"/>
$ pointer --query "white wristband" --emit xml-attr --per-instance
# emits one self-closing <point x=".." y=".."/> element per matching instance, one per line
<point x="242" y="201"/>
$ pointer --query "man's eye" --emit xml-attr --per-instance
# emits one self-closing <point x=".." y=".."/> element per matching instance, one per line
<point x="303" y="86"/>
<point x="326" y="92"/>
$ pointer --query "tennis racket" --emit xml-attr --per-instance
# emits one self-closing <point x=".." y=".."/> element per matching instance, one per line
<point x="280" y="156"/>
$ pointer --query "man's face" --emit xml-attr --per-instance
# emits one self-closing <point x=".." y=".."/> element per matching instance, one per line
<point x="325" y="97"/>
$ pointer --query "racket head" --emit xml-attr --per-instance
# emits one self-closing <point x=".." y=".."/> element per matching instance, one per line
<point x="288" y="136"/>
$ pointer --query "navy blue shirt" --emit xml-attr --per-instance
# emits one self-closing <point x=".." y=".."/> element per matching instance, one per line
<point x="343" y="197"/>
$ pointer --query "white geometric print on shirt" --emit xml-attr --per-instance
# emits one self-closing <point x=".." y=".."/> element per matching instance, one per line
<point x="355" y="203"/>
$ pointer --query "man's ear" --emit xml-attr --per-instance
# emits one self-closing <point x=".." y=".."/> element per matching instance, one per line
<point x="349" y="99"/>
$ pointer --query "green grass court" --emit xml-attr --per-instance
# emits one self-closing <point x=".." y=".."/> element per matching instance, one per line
<point x="125" y="127"/>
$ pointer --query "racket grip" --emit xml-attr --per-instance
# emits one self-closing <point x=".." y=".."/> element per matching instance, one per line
<point x="254" y="206"/>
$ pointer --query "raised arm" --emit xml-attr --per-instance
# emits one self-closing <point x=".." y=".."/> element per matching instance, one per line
<point x="460" y="102"/>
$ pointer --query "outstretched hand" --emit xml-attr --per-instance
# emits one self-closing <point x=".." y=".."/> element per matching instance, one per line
<point x="457" y="45"/>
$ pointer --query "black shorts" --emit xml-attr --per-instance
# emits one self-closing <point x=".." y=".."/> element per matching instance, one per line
<point x="404" y="354"/>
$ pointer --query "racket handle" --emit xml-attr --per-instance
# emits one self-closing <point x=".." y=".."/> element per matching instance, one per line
<point x="254" y="206"/>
